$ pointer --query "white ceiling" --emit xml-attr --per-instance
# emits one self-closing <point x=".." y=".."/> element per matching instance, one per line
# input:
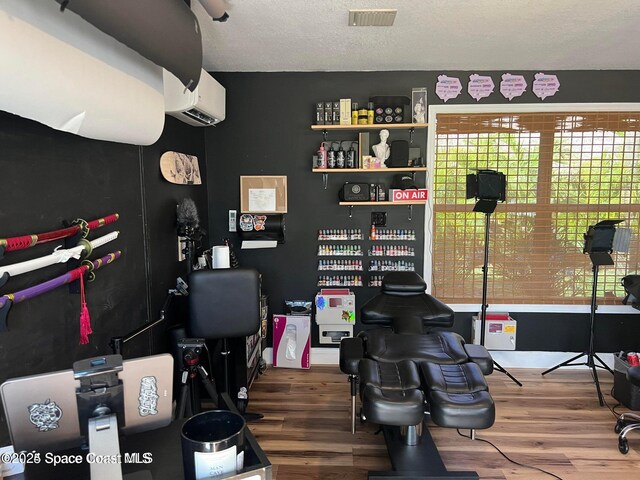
<point x="510" y="35"/>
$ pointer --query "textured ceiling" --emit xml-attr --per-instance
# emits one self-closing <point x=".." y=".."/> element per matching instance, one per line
<point x="312" y="35"/>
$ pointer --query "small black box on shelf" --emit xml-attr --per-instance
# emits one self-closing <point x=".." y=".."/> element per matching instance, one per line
<point x="390" y="108"/>
<point x="328" y="113"/>
<point x="623" y="391"/>
<point x="319" y="113"/>
<point x="399" y="154"/>
<point x="335" y="113"/>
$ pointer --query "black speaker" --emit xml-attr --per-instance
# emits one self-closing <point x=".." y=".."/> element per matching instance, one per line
<point x="399" y="154"/>
<point x="355" y="192"/>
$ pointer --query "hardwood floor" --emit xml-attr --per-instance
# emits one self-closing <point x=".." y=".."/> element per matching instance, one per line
<point x="552" y="422"/>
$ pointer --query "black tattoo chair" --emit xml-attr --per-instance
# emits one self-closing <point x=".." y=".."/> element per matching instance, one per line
<point x="408" y="367"/>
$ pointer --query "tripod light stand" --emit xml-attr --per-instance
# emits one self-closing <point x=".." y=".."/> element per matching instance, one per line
<point x="599" y="243"/>
<point x="488" y="187"/>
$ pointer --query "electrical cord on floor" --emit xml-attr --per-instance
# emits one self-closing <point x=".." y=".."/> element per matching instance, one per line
<point x="505" y="456"/>
<point x="612" y="409"/>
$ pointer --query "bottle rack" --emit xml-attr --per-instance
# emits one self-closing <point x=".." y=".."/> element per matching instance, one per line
<point x="391" y="251"/>
<point x="391" y="266"/>
<point x="392" y="234"/>
<point x="340" y="281"/>
<point x="375" y="281"/>
<point x="340" y="234"/>
<point x="340" y="265"/>
<point x="340" y="250"/>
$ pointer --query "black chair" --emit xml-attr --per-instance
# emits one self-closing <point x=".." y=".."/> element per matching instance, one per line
<point x="628" y="421"/>
<point x="409" y="370"/>
<point x="224" y="304"/>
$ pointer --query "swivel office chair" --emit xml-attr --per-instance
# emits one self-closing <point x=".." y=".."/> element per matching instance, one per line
<point x="628" y="421"/>
<point x="224" y="304"/>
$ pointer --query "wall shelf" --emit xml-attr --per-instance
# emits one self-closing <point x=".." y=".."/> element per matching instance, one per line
<point x="369" y="170"/>
<point x="351" y="204"/>
<point x="326" y="171"/>
<point x="409" y="204"/>
<point x="375" y="126"/>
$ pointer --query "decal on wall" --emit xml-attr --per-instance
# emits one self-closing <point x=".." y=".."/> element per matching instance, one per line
<point x="448" y="87"/>
<point x="545" y="85"/>
<point x="480" y="86"/>
<point x="249" y="222"/>
<point x="45" y="416"/>
<point x="259" y="221"/>
<point x="180" y="168"/>
<point x="246" y="222"/>
<point x="512" y="86"/>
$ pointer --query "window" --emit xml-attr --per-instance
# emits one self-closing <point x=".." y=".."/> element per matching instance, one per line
<point x="565" y="171"/>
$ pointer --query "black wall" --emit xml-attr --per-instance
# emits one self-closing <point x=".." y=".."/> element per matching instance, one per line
<point x="267" y="132"/>
<point x="49" y="177"/>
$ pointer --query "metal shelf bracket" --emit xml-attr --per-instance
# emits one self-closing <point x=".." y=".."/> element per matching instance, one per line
<point x="325" y="179"/>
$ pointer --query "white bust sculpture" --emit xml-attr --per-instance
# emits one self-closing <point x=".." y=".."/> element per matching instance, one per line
<point x="382" y="150"/>
<point x="419" y="111"/>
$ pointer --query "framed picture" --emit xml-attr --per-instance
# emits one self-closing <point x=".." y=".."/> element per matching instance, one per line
<point x="263" y="194"/>
<point x="419" y="105"/>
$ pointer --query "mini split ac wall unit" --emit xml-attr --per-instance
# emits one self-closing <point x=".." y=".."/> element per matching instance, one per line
<point x="203" y="107"/>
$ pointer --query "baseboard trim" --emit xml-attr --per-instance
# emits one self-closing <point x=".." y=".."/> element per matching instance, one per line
<point x="331" y="356"/>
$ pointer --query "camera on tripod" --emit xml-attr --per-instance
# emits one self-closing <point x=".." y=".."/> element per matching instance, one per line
<point x="191" y="348"/>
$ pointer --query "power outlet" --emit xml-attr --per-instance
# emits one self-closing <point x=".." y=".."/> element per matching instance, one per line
<point x="379" y="219"/>
<point x="181" y="245"/>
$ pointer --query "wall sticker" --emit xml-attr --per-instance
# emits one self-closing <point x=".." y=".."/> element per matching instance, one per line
<point x="448" y="87"/>
<point x="480" y="86"/>
<point x="545" y="85"/>
<point x="512" y="86"/>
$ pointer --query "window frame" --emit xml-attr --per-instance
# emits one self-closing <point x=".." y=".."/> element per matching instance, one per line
<point x="434" y="111"/>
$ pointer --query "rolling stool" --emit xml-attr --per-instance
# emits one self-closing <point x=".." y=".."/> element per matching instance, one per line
<point x="628" y="421"/>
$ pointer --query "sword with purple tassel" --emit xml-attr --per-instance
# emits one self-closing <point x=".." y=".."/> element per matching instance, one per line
<point x="6" y="301"/>
<point x="79" y="226"/>
<point x="83" y="249"/>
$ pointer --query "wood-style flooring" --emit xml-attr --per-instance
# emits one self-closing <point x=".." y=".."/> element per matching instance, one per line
<point x="552" y="422"/>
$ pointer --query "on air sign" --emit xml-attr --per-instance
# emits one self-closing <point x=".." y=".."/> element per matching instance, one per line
<point x="409" y="195"/>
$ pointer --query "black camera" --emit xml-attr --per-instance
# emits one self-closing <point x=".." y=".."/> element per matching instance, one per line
<point x="191" y="348"/>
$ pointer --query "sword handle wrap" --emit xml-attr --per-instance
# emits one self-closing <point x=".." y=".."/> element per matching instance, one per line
<point x="19" y="243"/>
<point x="26" y="241"/>
<point x="100" y="222"/>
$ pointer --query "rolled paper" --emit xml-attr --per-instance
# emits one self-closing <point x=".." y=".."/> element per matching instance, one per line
<point x="220" y="256"/>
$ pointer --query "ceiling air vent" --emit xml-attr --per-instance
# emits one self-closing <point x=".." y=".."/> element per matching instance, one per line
<point x="372" y="18"/>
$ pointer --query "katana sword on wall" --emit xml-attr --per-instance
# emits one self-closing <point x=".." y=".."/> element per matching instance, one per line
<point x="6" y="301"/>
<point x="83" y="249"/>
<point x="79" y="226"/>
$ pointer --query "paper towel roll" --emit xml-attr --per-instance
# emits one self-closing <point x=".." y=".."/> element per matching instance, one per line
<point x="220" y="257"/>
